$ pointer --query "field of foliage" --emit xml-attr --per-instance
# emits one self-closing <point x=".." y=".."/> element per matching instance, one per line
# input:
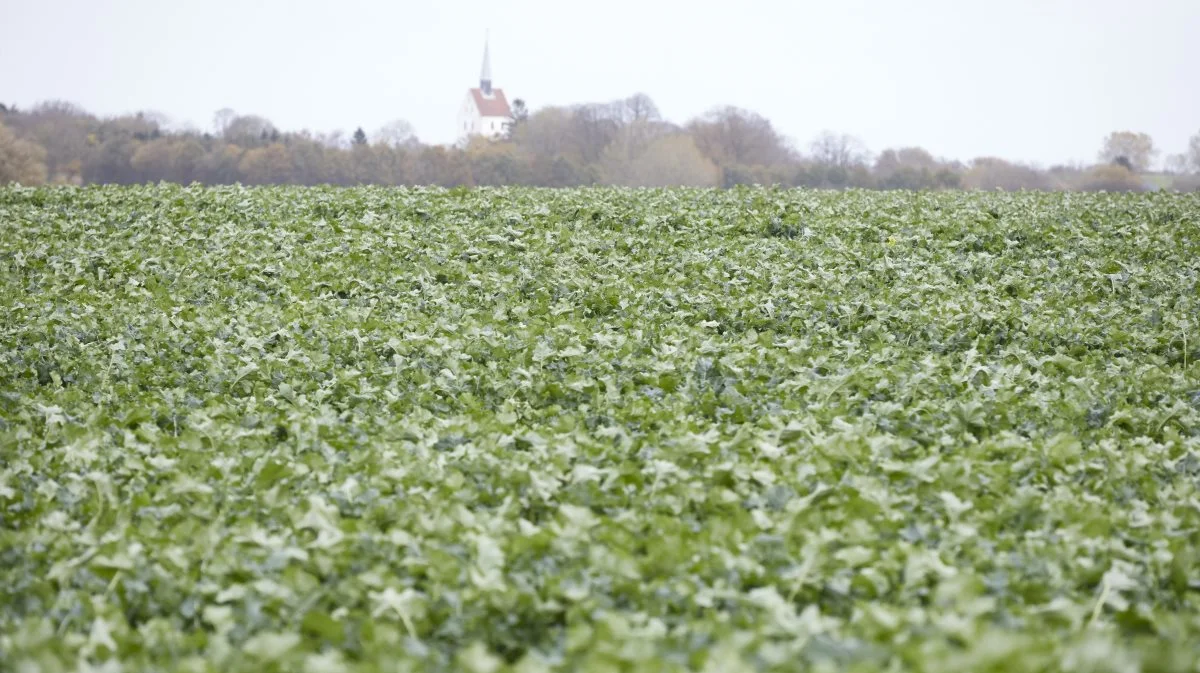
<point x="326" y="430"/>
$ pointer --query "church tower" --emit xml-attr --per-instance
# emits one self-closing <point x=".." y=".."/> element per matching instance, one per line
<point x="485" y="111"/>
<point x="485" y="75"/>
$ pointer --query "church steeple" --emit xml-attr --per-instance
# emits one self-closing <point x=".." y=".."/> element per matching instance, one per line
<point x="485" y="77"/>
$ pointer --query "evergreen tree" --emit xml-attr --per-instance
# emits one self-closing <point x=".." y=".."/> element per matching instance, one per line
<point x="360" y="137"/>
<point x="518" y="116"/>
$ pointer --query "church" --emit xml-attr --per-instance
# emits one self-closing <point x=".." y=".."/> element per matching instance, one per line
<point x="485" y="111"/>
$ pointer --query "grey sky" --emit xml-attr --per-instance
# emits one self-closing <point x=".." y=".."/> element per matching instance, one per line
<point x="1033" y="80"/>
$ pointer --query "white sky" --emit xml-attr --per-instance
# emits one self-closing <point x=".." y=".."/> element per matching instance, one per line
<point x="1032" y="80"/>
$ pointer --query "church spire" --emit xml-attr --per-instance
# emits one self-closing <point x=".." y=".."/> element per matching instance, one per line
<point x="485" y="77"/>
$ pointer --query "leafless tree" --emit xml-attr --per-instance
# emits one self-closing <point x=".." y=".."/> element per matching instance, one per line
<point x="838" y="150"/>
<point x="222" y="119"/>
<point x="1137" y="149"/>
<point x="640" y="108"/>
<point x="733" y="136"/>
<point x="397" y="133"/>
<point x="1177" y="164"/>
<point x="1193" y="153"/>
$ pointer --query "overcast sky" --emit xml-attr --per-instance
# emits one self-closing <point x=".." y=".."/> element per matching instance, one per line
<point x="1033" y="80"/>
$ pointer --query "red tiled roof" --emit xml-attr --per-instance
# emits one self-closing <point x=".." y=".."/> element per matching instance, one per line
<point x="495" y="105"/>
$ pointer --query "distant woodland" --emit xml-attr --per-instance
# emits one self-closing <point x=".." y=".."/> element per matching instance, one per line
<point x="624" y="142"/>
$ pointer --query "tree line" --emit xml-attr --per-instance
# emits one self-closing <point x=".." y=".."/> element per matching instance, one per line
<point x="624" y="142"/>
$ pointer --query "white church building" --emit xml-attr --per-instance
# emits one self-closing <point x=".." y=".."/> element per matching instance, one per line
<point x="485" y="111"/>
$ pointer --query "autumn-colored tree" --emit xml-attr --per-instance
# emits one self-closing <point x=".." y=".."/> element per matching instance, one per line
<point x="546" y="133"/>
<point x="61" y="129"/>
<point x="624" y="141"/>
<point x="733" y="136"/>
<point x="270" y="165"/>
<point x="631" y="141"/>
<point x="250" y="131"/>
<point x="990" y="173"/>
<point x="152" y="160"/>
<point x="496" y="163"/>
<point x="1134" y="150"/>
<point x="187" y="160"/>
<point x="21" y="161"/>
<point x="653" y="156"/>
<point x="442" y="166"/>
<point x="592" y="128"/>
<point x="112" y="160"/>
<point x="1111" y="178"/>
<point x="370" y="164"/>
<point x="112" y="146"/>
<point x="914" y="168"/>
<point x="173" y="159"/>
<point x="562" y="171"/>
<point x="310" y="163"/>
<point x="339" y="166"/>
<point x="397" y="164"/>
<point x="673" y="160"/>
<point x="220" y="165"/>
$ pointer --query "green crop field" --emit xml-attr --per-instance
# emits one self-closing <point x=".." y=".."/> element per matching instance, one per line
<point x="323" y="430"/>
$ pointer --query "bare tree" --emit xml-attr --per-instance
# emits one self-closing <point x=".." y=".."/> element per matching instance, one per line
<point x="915" y="168"/>
<point x="629" y="145"/>
<point x="592" y="129"/>
<point x="546" y="133"/>
<point x="992" y="173"/>
<point x="1193" y="153"/>
<point x="333" y="139"/>
<point x="1137" y="150"/>
<point x="1177" y="164"/>
<point x="640" y="108"/>
<point x="221" y="120"/>
<point x="59" y="108"/>
<point x="61" y="129"/>
<point x="159" y="119"/>
<point x="733" y="136"/>
<point x="250" y="131"/>
<point x="838" y="150"/>
<point x="397" y="133"/>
